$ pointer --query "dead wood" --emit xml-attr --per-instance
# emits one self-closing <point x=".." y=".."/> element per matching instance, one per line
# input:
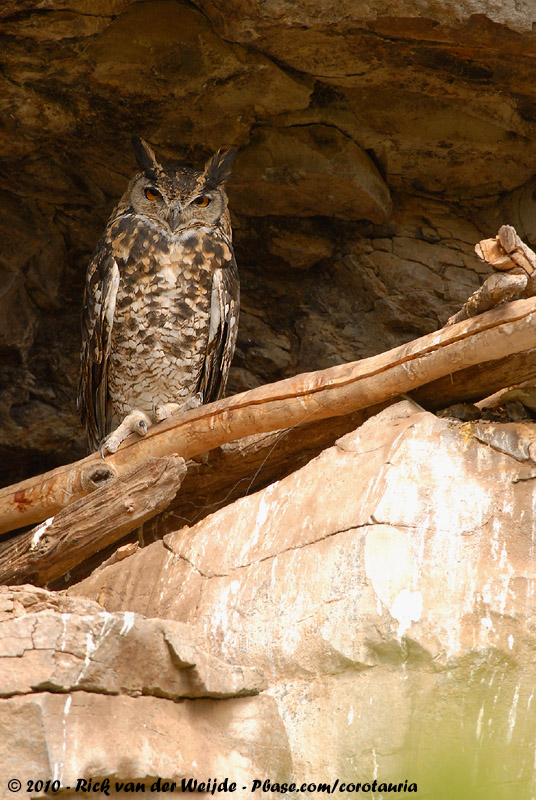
<point x="336" y="391"/>
<point x="90" y="524"/>
<point x="495" y="290"/>
<point x="517" y="264"/>
<point x="507" y="251"/>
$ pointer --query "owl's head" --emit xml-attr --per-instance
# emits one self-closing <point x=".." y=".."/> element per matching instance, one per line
<point x="179" y="197"/>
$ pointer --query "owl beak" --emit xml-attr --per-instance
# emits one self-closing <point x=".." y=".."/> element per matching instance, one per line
<point x="175" y="216"/>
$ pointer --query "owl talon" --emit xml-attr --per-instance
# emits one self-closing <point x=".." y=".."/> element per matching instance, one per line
<point x="140" y="427"/>
<point x="193" y="402"/>
<point x="168" y="409"/>
<point x="110" y="446"/>
<point x="136" y="422"/>
<point x="164" y="411"/>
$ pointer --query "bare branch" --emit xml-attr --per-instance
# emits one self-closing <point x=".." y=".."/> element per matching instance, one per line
<point x="308" y="397"/>
<point x="91" y="523"/>
<point x="495" y="290"/>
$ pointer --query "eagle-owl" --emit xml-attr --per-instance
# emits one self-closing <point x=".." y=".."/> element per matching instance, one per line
<point x="161" y="302"/>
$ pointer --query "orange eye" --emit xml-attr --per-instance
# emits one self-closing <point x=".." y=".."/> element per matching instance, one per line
<point x="152" y="194"/>
<point x="202" y="201"/>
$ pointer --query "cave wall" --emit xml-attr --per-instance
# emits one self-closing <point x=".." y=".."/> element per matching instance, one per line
<point x="377" y="143"/>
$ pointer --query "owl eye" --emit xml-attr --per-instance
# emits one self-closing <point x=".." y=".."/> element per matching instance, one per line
<point x="152" y="194"/>
<point x="202" y="201"/>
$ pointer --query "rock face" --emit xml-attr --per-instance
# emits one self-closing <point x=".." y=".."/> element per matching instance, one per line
<point x="119" y="698"/>
<point x="160" y="659"/>
<point x="386" y="590"/>
<point x="376" y="143"/>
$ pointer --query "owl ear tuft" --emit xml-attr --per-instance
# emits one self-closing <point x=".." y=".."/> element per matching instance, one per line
<point x="218" y="168"/>
<point x="146" y="158"/>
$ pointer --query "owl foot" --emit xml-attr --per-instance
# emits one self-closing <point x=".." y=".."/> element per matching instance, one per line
<point x="168" y="409"/>
<point x="136" y="422"/>
<point x="165" y="410"/>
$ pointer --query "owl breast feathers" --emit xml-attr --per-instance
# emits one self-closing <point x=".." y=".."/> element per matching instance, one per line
<point x="161" y="303"/>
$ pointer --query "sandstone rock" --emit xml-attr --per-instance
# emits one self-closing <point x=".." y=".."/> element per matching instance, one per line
<point x="112" y="654"/>
<point x="241" y="21"/>
<point x="307" y="171"/>
<point x="17" y="601"/>
<point x="518" y="207"/>
<point x="92" y="737"/>
<point x="391" y="66"/>
<point x="513" y="438"/>
<point x="389" y="579"/>
<point x="85" y="694"/>
<point x="300" y="250"/>
<point x="179" y="58"/>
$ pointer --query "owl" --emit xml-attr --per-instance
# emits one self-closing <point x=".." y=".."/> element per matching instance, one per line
<point x="161" y="301"/>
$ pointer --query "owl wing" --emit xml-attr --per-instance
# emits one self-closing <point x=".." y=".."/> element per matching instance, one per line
<point x="224" y="312"/>
<point x="98" y="310"/>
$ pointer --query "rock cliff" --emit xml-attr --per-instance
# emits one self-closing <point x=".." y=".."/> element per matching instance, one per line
<point x="368" y="617"/>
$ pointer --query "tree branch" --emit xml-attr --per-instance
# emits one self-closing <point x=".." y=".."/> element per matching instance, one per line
<point x="517" y="264"/>
<point x="497" y="288"/>
<point x="336" y="391"/>
<point x="90" y="524"/>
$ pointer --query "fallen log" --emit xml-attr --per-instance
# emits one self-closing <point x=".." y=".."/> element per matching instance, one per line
<point x="336" y="391"/>
<point x="90" y="524"/>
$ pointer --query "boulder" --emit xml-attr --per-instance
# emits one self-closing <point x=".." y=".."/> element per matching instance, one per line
<point x="308" y="171"/>
<point x="93" y="700"/>
<point x="385" y="589"/>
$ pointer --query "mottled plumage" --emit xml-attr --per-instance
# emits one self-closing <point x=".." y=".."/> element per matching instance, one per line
<point x="161" y="303"/>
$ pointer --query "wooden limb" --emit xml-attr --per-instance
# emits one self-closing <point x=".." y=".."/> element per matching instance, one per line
<point x="229" y="472"/>
<point x="517" y="264"/>
<point x="90" y="524"/>
<point x="507" y="251"/>
<point x="476" y="382"/>
<point x="312" y="396"/>
<point x="496" y="289"/>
